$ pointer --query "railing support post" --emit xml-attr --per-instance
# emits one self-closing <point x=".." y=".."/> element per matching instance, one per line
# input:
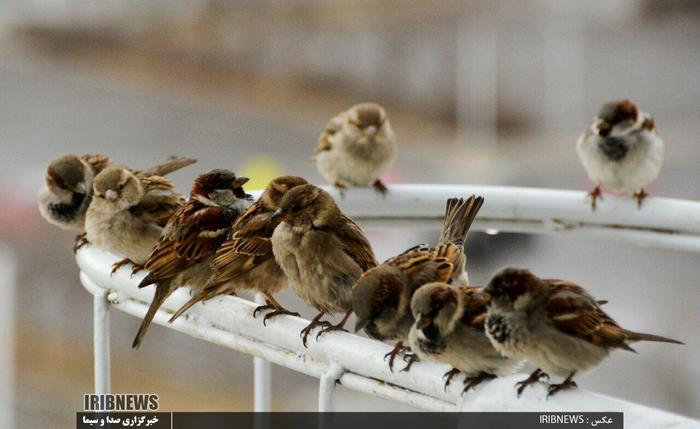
<point x="263" y="379"/>
<point x="103" y="379"/>
<point x="326" y="387"/>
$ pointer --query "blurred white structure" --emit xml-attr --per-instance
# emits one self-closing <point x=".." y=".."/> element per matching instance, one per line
<point x="8" y="284"/>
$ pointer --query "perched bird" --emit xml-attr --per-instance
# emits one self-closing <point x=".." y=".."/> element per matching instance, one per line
<point x="356" y="148"/>
<point x="554" y="324"/>
<point x="189" y="240"/>
<point x="449" y="328"/>
<point x="381" y="298"/>
<point x="321" y="251"/>
<point x="128" y="213"/>
<point x="68" y="192"/>
<point x="245" y="259"/>
<point x="621" y="151"/>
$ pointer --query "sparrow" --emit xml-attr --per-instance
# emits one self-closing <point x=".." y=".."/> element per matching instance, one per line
<point x="381" y="297"/>
<point x="555" y="324"/>
<point x="321" y="251"/>
<point x="621" y="151"/>
<point x="245" y="259"/>
<point x="356" y="148"/>
<point x="189" y="240"/>
<point x="449" y="328"/>
<point x="68" y="188"/>
<point x="128" y="212"/>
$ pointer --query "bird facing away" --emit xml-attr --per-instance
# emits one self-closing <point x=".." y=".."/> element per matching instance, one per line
<point x="621" y="151"/>
<point x="321" y="251"/>
<point x="356" y="148"/>
<point x="245" y="259"/>
<point x="554" y="324"/>
<point x="189" y="240"/>
<point x="449" y="328"/>
<point x="381" y="298"/>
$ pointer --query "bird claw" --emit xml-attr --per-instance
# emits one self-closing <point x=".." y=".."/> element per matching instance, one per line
<point x="304" y="334"/>
<point x="260" y="308"/>
<point x="535" y="377"/>
<point x="472" y="382"/>
<point x="330" y="328"/>
<point x="398" y="349"/>
<point x="595" y="195"/>
<point x="279" y="312"/>
<point x="381" y="187"/>
<point x="80" y="241"/>
<point x="410" y="359"/>
<point x="341" y="188"/>
<point x="449" y="375"/>
<point x="567" y="384"/>
<point x="125" y="261"/>
<point x="135" y="269"/>
<point x="640" y="196"/>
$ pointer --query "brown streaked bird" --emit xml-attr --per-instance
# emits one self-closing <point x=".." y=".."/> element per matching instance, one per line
<point x="128" y="212"/>
<point x="356" y="147"/>
<point x="449" y="328"/>
<point x="382" y="296"/>
<point x="321" y="251"/>
<point x="554" y="324"/>
<point x="245" y="259"/>
<point x="192" y="236"/>
<point x="68" y="192"/>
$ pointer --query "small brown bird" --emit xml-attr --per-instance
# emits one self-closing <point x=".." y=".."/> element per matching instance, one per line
<point x="68" y="191"/>
<point x="449" y="328"/>
<point x="356" y="148"/>
<point x="321" y="251"/>
<point x="381" y="298"/>
<point x="555" y="324"/>
<point x="190" y="239"/>
<point x="128" y="213"/>
<point x="245" y="260"/>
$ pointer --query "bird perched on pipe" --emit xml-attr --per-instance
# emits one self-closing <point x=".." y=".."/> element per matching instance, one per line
<point x="356" y="148"/>
<point x="381" y="297"/>
<point x="245" y="260"/>
<point x="621" y="151"/>
<point x="554" y="324"/>
<point x="449" y="328"/>
<point x="321" y="251"/>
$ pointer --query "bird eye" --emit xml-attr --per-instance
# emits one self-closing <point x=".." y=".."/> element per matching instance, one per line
<point x="121" y="186"/>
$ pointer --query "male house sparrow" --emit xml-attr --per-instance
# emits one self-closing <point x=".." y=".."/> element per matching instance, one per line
<point x="554" y="324"/>
<point x="321" y="251"/>
<point x="621" y="150"/>
<point x="356" y="148"/>
<point x="449" y="328"/>
<point x="381" y="297"/>
<point x="68" y="191"/>
<point x="191" y="236"/>
<point x="128" y="213"/>
<point x="245" y="259"/>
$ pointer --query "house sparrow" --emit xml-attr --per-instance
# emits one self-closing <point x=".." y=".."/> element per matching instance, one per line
<point x="68" y="191"/>
<point x="321" y="251"/>
<point x="245" y="259"/>
<point x="128" y="213"/>
<point x="554" y="324"/>
<point x="621" y="151"/>
<point x="449" y="328"/>
<point x="190" y="238"/>
<point x="356" y="148"/>
<point x="381" y="297"/>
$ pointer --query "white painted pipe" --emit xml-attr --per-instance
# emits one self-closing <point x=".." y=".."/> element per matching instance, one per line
<point x="101" y="340"/>
<point x="262" y="370"/>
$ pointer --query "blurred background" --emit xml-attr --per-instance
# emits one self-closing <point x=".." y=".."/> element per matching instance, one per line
<point x="478" y="91"/>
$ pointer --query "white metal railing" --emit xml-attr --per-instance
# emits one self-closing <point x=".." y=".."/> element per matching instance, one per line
<point x="356" y="362"/>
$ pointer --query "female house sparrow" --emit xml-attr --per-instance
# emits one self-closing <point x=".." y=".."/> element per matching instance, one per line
<point x="68" y="192"/>
<point x="191" y="236"/>
<point x="356" y="148"/>
<point x="449" y="328"/>
<point x="321" y="251"/>
<point x="128" y="213"/>
<point x="245" y="259"/>
<point x="621" y="150"/>
<point x="554" y="324"/>
<point x="381" y="298"/>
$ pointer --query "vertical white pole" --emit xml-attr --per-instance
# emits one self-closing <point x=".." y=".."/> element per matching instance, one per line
<point x="326" y="387"/>
<point x="263" y="380"/>
<point x="103" y="382"/>
<point x="8" y="270"/>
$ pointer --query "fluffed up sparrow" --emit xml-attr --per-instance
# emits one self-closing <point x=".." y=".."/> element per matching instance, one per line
<point x="554" y="324"/>
<point x="621" y="151"/>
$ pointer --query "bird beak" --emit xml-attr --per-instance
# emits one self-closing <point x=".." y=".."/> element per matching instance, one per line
<point x="79" y="188"/>
<point x="276" y="215"/>
<point x="240" y="181"/>
<point x="361" y="324"/>
<point x="111" y="195"/>
<point x="423" y="322"/>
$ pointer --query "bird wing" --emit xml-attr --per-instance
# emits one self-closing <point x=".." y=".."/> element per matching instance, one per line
<point x="97" y="162"/>
<point x="332" y="127"/>
<point x="475" y="310"/>
<point x="160" y="201"/>
<point x="422" y="265"/>
<point x="355" y="244"/>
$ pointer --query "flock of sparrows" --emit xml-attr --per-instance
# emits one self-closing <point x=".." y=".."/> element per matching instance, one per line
<point x="219" y="242"/>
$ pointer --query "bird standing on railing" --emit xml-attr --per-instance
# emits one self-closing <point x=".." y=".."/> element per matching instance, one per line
<point x="193" y="234"/>
<point x="621" y="151"/>
<point x="68" y="192"/>
<point x="245" y="260"/>
<point x="356" y="148"/>
<point x="449" y="328"/>
<point x="321" y="251"/>
<point x="554" y="324"/>
<point x="382" y="296"/>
